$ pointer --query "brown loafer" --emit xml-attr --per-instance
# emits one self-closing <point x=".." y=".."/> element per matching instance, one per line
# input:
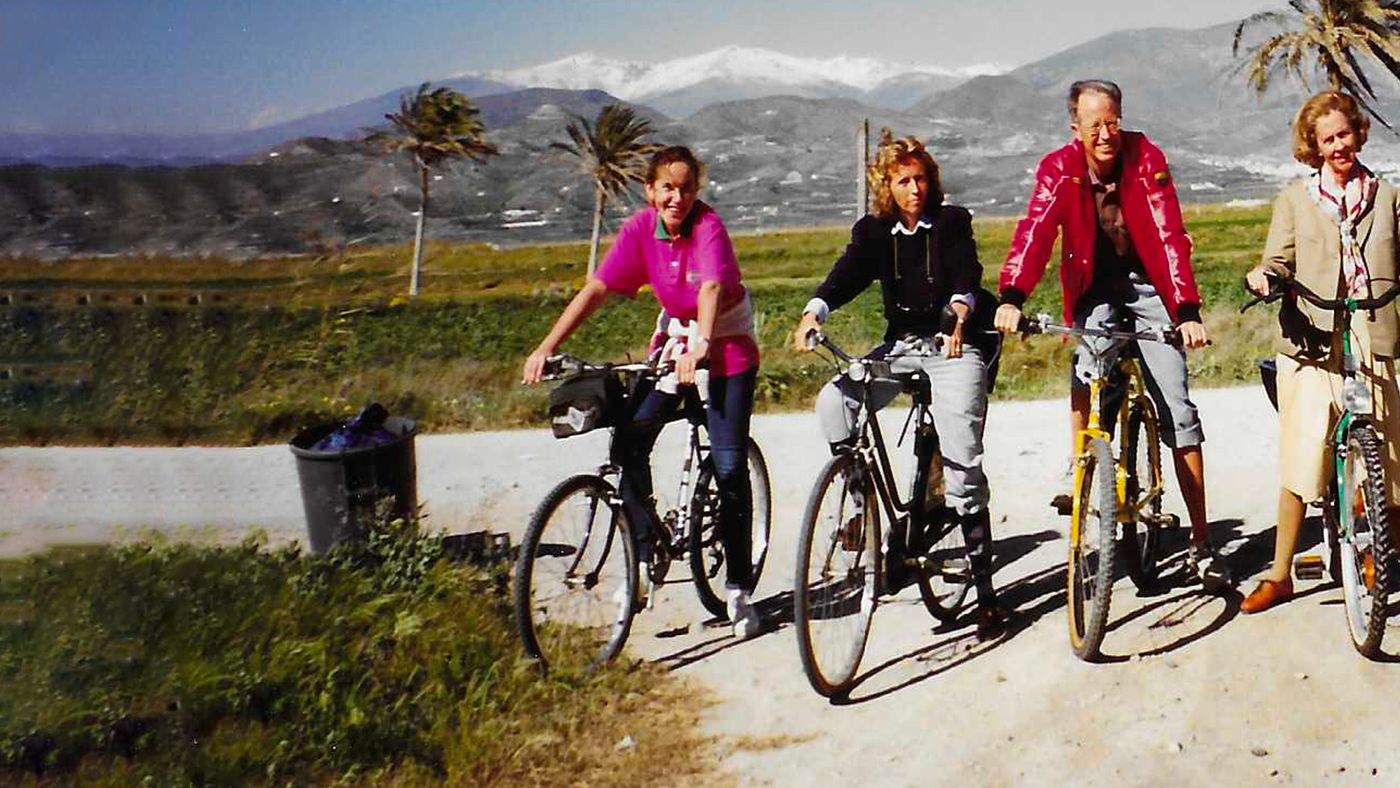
<point x="1267" y="594"/>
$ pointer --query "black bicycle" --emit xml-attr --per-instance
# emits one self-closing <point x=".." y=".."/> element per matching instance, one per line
<point x="845" y="559"/>
<point x="578" y="574"/>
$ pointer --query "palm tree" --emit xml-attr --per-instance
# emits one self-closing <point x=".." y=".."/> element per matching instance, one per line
<point x="611" y="152"/>
<point x="1329" y="35"/>
<point x="434" y="126"/>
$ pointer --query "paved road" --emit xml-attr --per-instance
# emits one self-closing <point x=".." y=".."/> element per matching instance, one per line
<point x="1193" y="693"/>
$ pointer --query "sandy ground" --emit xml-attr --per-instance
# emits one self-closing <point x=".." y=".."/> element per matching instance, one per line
<point x="1191" y="693"/>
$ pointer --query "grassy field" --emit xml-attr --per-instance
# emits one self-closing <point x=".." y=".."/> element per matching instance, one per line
<point x="178" y="350"/>
<point x="381" y="664"/>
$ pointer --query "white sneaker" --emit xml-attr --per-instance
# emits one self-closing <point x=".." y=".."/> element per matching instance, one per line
<point x="742" y="614"/>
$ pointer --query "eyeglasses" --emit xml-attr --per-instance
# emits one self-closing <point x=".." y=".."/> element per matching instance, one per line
<point x="1112" y="125"/>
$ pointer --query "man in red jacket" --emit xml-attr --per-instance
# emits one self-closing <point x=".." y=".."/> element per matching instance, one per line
<point x="1125" y="256"/>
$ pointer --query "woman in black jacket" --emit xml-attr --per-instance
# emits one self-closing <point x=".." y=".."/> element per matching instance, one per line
<point x="923" y="254"/>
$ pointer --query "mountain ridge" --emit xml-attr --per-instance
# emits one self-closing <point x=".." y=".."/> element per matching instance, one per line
<point x="773" y="160"/>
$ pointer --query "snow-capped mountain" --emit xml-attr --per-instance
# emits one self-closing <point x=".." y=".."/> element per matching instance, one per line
<point x="682" y="85"/>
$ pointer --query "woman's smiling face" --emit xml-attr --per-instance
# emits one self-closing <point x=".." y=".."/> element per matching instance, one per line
<point x="1338" y="144"/>
<point x="672" y="193"/>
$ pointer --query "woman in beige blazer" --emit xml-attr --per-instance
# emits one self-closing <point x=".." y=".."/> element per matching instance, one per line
<point x="1334" y="231"/>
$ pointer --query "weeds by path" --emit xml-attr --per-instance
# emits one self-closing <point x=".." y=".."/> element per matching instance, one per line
<point x="385" y="664"/>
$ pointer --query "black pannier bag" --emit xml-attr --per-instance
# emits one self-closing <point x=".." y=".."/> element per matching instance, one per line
<point x="586" y="402"/>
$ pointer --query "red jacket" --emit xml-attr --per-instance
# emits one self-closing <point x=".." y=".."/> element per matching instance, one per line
<point x="1062" y="199"/>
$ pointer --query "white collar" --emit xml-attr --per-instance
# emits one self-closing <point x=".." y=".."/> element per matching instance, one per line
<point x="899" y="229"/>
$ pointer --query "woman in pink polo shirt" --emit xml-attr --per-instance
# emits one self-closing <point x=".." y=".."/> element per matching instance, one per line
<point x="679" y="246"/>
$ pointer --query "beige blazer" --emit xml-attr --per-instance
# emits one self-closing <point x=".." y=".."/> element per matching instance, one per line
<point x="1305" y="240"/>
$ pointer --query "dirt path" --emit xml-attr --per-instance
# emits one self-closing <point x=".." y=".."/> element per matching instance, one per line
<point x="1189" y="696"/>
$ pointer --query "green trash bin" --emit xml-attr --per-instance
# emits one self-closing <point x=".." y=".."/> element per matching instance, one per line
<point x="342" y="488"/>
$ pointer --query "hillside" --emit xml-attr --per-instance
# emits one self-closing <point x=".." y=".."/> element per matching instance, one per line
<point x="774" y="161"/>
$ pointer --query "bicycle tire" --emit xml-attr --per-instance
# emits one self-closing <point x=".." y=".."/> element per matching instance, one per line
<point x="945" y="573"/>
<point x="1142" y="447"/>
<point x="567" y="621"/>
<point x="832" y="610"/>
<point x="706" y="550"/>
<point x="1089" y="570"/>
<point x="1365" y="603"/>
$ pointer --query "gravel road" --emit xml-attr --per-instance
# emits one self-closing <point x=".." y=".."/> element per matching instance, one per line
<point x="1191" y="693"/>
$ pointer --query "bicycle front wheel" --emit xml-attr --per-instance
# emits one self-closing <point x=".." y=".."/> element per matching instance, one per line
<point x="838" y="559"/>
<point x="1142" y="454"/>
<point x="707" y="557"/>
<point x="1365" y="538"/>
<point x="1090" y="567"/>
<point x="576" y="577"/>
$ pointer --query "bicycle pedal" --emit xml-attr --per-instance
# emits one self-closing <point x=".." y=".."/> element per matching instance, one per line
<point x="1308" y="567"/>
<point x="852" y="535"/>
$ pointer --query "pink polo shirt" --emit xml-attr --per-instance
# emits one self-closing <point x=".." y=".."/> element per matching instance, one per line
<point x="645" y="253"/>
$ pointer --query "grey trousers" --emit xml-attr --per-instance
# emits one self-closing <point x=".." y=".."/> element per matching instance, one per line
<point x="959" y="414"/>
<point x="1134" y="303"/>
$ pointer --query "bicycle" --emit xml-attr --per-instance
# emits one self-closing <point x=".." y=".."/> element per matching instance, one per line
<point x="577" y="576"/>
<point x="1355" y="532"/>
<point x="844" y="560"/>
<point x="1116" y="487"/>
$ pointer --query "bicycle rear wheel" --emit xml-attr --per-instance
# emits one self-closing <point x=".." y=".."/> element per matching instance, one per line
<point x="706" y="549"/>
<point x="576" y="577"/>
<point x="1365" y="538"/>
<point x="1142" y="454"/>
<point x="1089" y="574"/>
<point x="838" y="560"/>
<point x="944" y="572"/>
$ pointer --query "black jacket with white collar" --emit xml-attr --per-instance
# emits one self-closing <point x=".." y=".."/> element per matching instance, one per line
<point x="919" y="272"/>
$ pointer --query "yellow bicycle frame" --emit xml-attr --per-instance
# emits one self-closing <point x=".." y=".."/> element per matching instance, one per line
<point x="1127" y="510"/>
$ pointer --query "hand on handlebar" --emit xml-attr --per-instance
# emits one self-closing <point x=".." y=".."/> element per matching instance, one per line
<point x="533" y="371"/>
<point x="807" y="328"/>
<point x="1007" y="319"/>
<point x="689" y="361"/>
<point x="953" y="346"/>
<point x="1262" y="279"/>
<point x="1193" y="334"/>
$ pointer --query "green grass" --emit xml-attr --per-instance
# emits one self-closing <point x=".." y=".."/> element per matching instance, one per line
<point x="382" y="664"/>
<point x="275" y="344"/>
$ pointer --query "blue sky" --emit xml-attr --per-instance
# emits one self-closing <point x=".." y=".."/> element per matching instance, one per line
<point x="210" y="65"/>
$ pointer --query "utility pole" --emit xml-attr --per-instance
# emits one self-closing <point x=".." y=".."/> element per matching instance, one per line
<point x="862" y="162"/>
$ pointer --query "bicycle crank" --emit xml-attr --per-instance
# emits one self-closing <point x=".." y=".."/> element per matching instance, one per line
<point x="954" y="570"/>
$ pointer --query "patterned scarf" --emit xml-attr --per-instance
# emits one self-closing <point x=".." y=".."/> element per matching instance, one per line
<point x="1347" y="212"/>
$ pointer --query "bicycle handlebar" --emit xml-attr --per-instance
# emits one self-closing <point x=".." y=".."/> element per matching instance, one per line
<point x="563" y="365"/>
<point x="860" y="369"/>
<point x="1043" y="324"/>
<point x="1280" y="285"/>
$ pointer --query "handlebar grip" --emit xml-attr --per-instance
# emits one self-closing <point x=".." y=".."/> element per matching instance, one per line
<point x="1028" y="325"/>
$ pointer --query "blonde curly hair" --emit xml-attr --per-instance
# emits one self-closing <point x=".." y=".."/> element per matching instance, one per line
<point x="893" y="153"/>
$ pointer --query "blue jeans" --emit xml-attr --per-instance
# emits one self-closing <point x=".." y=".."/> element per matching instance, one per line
<point x="727" y="417"/>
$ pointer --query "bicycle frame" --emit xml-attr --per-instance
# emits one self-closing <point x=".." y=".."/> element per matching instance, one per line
<point x="871" y="446"/>
<point x="870" y="442"/>
<point x="1136" y="391"/>
<point x="1353" y="408"/>
<point x="675" y="524"/>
